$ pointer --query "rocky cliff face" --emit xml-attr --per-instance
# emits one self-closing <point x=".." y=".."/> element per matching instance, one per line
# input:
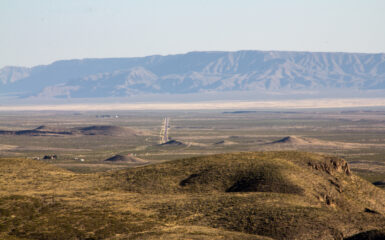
<point x="198" y="72"/>
<point x="9" y="75"/>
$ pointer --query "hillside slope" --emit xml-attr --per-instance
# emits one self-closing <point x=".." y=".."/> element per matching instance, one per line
<point x="198" y="72"/>
<point x="256" y="195"/>
<point x="287" y="195"/>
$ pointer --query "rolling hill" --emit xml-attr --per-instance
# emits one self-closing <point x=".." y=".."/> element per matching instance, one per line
<point x="100" y="130"/>
<point x="255" y="195"/>
<point x="125" y="159"/>
<point x="297" y="142"/>
<point x="282" y="195"/>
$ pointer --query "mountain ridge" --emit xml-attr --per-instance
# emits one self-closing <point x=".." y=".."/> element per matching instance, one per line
<point x="197" y="72"/>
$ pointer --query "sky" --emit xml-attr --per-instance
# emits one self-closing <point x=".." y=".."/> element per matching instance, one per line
<point x="43" y="31"/>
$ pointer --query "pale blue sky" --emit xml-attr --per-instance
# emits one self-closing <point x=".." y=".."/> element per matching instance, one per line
<point x="34" y="32"/>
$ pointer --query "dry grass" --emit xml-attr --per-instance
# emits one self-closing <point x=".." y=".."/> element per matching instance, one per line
<point x="4" y="147"/>
<point x="263" y="195"/>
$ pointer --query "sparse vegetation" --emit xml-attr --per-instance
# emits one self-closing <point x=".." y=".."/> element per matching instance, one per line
<point x="254" y="195"/>
<point x="246" y="195"/>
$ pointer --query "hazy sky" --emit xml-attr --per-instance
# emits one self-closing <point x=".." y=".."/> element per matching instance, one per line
<point x="34" y="32"/>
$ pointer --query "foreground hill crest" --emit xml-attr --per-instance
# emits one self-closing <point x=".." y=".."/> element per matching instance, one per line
<point x="254" y="195"/>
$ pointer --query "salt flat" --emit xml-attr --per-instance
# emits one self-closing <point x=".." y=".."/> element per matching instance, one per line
<point x="280" y="104"/>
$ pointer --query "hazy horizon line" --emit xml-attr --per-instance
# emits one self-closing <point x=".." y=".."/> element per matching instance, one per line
<point x="207" y="105"/>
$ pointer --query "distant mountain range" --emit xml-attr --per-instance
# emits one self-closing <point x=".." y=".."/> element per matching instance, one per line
<point x="197" y="72"/>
